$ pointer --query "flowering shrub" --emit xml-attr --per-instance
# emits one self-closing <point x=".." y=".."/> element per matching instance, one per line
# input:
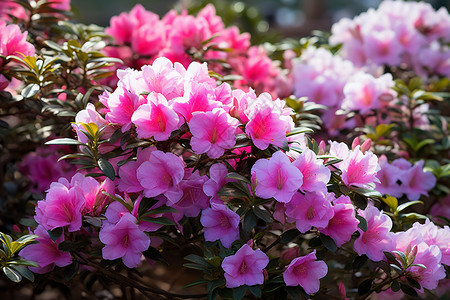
<point x="175" y="161"/>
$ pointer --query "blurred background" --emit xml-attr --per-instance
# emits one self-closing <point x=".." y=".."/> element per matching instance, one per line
<point x="284" y="18"/>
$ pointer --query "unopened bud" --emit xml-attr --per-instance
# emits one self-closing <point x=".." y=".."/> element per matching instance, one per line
<point x="355" y="143"/>
<point x="366" y="145"/>
<point x="322" y="148"/>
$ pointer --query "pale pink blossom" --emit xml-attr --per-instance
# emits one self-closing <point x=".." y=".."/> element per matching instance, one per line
<point x="360" y="169"/>
<point x="14" y="42"/>
<point x="315" y="174"/>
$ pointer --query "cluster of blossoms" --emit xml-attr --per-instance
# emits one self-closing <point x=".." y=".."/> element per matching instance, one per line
<point x="141" y="36"/>
<point x="403" y="34"/>
<point x="335" y="82"/>
<point x="11" y="8"/>
<point x="40" y="167"/>
<point x="401" y="177"/>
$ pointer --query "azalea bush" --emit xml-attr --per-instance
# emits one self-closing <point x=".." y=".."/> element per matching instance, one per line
<point x="306" y="175"/>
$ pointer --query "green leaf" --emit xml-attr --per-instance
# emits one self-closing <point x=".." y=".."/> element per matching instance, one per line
<point x="71" y="270"/>
<point x="64" y="141"/>
<point x="30" y="90"/>
<point x="155" y="254"/>
<point x="22" y="262"/>
<point x="160" y="220"/>
<point x="408" y="290"/>
<point x="12" y="274"/>
<point x="55" y="233"/>
<point x="359" y="262"/>
<point x="362" y="223"/>
<point x="407" y="204"/>
<point x="198" y="260"/>
<point x="395" y="286"/>
<point x="160" y="210"/>
<point x="198" y="282"/>
<point x="402" y="257"/>
<point x="418" y="265"/>
<point x="289" y="235"/>
<point x="66" y="246"/>
<point x="27" y="238"/>
<point x="238" y="177"/>
<point x="249" y="221"/>
<point x="383" y="130"/>
<point x="255" y="290"/>
<point x="299" y="130"/>
<point x="22" y="270"/>
<point x="262" y="214"/>
<point x="365" y="287"/>
<point x="239" y="292"/>
<point x="107" y="169"/>
<point x="328" y="242"/>
<point x="413" y="283"/>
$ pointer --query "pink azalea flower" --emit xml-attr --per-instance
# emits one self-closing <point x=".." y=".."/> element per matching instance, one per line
<point x="311" y="209"/>
<point x="343" y="223"/>
<point x="149" y="38"/>
<point x="266" y="126"/>
<point x="416" y="182"/>
<point x="155" y="119"/>
<point x="122" y="104"/>
<point x="360" y="169"/>
<point x="277" y="177"/>
<point x="128" y="181"/>
<point x="124" y="240"/>
<point x="14" y="42"/>
<point x="193" y="198"/>
<point x="377" y="238"/>
<point x="434" y="235"/>
<point x="217" y="180"/>
<point x="86" y="116"/>
<point x="315" y="174"/>
<point x="245" y="267"/>
<point x="213" y="132"/>
<point x="306" y="272"/>
<point x="161" y="174"/>
<point x="61" y="207"/>
<point x="220" y="223"/>
<point x="45" y="252"/>
<point x="388" y="175"/>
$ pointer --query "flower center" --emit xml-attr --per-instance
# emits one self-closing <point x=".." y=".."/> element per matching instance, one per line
<point x="243" y="268"/>
<point x="310" y="214"/>
<point x="280" y="181"/>
<point x="214" y="136"/>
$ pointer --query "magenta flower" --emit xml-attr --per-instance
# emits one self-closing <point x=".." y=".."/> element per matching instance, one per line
<point x="161" y="174"/>
<point x="388" y="175"/>
<point x="46" y="252"/>
<point x="306" y="272"/>
<point x="277" y="177"/>
<point x="377" y="238"/>
<point x="61" y="207"/>
<point x="266" y="125"/>
<point x="155" y="119"/>
<point x="343" y="223"/>
<point x="315" y="174"/>
<point x="122" y="104"/>
<point x="360" y="169"/>
<point x="220" y="223"/>
<point x="311" y="209"/>
<point x="14" y="42"/>
<point x="124" y="240"/>
<point x="245" y="267"/>
<point x="213" y="132"/>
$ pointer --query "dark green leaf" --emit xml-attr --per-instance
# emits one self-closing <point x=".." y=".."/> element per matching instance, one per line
<point x="197" y="260"/>
<point x="249" y="221"/>
<point x="22" y="270"/>
<point x="255" y="290"/>
<point x="195" y="283"/>
<point x="328" y="242"/>
<point x="155" y="254"/>
<point x="71" y="270"/>
<point x="28" y="222"/>
<point x="407" y="204"/>
<point x="365" y="287"/>
<point x="362" y="223"/>
<point x="55" y="233"/>
<point x="160" y="220"/>
<point x="107" y="169"/>
<point x="239" y="292"/>
<point x="262" y="214"/>
<point x="397" y="269"/>
<point x="213" y="284"/>
<point x="402" y="257"/>
<point x="160" y="210"/>
<point x="289" y="235"/>
<point x="408" y="290"/>
<point x="66" y="246"/>
<point x="413" y="283"/>
<point x="395" y="286"/>
<point x="237" y="176"/>
<point x="359" y="200"/>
